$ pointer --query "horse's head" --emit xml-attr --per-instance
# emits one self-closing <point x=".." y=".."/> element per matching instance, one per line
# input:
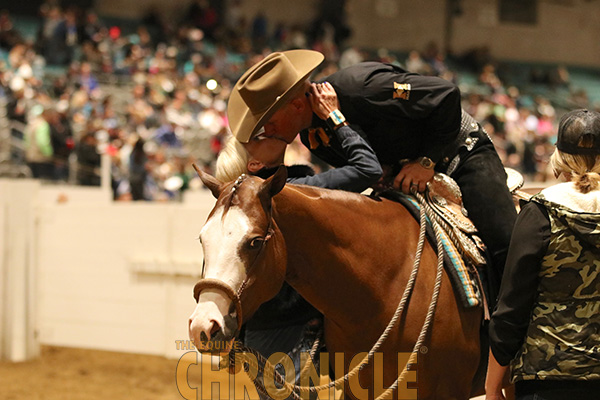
<point x="244" y="257"/>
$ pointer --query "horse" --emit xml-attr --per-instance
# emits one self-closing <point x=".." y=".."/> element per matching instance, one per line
<point x="350" y="256"/>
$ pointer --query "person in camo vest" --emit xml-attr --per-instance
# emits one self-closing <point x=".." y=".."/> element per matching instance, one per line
<point x="547" y="321"/>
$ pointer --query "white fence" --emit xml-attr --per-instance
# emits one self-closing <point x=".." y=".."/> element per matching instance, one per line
<point x="90" y="273"/>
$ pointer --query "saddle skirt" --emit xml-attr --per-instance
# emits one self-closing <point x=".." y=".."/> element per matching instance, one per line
<point x="465" y="253"/>
<point x="444" y="197"/>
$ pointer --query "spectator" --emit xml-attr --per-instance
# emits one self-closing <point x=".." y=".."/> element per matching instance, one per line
<point x="93" y="27"/>
<point x="86" y="79"/>
<point x="138" y="170"/>
<point x="9" y="36"/>
<point x="169" y="69"/>
<point x="259" y="31"/>
<point x="204" y="16"/>
<point x="415" y="63"/>
<point x="88" y="169"/>
<point x="352" y="55"/>
<point x="62" y="140"/>
<point x="38" y="144"/>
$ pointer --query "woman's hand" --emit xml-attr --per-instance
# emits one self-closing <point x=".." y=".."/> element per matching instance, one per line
<point x="385" y="182"/>
<point x="323" y="99"/>
<point x="494" y="379"/>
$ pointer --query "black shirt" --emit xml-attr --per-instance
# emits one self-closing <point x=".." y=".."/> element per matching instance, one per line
<point x="403" y="115"/>
<point x="528" y="246"/>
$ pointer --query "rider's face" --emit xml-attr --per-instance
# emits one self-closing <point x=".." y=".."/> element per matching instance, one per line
<point x="265" y="152"/>
<point x="284" y="124"/>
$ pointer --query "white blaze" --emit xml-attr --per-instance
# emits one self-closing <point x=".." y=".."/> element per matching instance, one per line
<point x="221" y="241"/>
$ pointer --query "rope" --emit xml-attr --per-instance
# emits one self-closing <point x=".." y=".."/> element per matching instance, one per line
<point x="425" y="211"/>
<point x="434" y="298"/>
<point x="262" y="365"/>
<point x="313" y="351"/>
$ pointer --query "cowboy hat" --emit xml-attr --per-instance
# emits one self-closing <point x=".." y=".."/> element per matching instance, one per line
<point x="265" y="87"/>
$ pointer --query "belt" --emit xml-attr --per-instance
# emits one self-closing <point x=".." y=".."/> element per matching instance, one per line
<point x="467" y="138"/>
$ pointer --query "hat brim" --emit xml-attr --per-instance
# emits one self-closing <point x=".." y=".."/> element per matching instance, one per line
<point x="243" y="123"/>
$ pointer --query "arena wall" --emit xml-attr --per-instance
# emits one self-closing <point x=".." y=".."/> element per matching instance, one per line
<point x="18" y="313"/>
<point x="293" y="11"/>
<point x="566" y="30"/>
<point x="108" y="276"/>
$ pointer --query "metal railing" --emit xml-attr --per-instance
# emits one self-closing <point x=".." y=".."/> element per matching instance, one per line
<point x="11" y="146"/>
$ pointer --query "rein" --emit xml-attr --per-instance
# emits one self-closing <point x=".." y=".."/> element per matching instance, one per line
<point x="265" y="366"/>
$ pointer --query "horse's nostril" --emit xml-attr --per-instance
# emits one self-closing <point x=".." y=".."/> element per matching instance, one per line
<point x="203" y="337"/>
<point x="214" y="329"/>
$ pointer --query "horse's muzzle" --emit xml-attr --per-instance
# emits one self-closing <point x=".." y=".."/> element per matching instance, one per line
<point x="222" y="339"/>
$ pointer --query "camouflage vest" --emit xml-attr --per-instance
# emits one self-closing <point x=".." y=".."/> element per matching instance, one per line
<point x="563" y="338"/>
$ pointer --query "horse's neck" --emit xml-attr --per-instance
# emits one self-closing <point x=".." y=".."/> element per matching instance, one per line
<point x="328" y="236"/>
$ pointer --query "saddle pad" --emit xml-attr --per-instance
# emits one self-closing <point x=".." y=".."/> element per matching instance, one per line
<point x="464" y="284"/>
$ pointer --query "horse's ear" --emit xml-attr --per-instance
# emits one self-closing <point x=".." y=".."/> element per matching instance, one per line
<point x="276" y="182"/>
<point x="212" y="183"/>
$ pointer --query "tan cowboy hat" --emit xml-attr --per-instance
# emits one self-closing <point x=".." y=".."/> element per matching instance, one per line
<point x="265" y="87"/>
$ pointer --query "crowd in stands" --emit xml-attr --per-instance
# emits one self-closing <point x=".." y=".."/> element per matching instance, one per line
<point x="154" y="98"/>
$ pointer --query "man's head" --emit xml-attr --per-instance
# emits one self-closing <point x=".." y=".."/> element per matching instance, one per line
<point x="271" y="85"/>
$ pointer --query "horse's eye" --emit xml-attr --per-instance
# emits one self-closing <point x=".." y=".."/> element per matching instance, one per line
<point x="256" y="242"/>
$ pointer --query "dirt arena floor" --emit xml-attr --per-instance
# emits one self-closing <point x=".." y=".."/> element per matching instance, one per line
<point x="80" y="374"/>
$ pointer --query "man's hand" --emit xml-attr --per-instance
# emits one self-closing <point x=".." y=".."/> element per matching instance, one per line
<point x="323" y="99"/>
<point x="413" y="174"/>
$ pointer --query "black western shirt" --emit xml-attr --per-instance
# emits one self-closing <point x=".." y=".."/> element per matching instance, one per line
<point x="402" y="115"/>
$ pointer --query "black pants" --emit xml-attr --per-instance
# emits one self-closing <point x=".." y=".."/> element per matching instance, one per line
<point x="137" y="188"/>
<point x="482" y="181"/>
<point x="558" y="390"/>
<point x="292" y="340"/>
<point x="42" y="170"/>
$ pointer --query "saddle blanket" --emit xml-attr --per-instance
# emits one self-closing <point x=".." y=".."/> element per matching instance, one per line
<point x="463" y="280"/>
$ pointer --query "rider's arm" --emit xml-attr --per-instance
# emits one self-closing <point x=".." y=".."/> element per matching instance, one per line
<point x="518" y="291"/>
<point x="362" y="171"/>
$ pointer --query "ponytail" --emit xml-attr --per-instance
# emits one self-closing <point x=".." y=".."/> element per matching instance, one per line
<point x="587" y="182"/>
<point x="584" y="169"/>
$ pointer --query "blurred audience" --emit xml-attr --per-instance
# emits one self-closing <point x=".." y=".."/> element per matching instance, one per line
<point x="153" y="98"/>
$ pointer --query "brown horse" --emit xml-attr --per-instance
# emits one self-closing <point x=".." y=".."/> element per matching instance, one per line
<point x="350" y="256"/>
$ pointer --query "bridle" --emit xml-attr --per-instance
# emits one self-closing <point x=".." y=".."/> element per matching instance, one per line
<point x="234" y="296"/>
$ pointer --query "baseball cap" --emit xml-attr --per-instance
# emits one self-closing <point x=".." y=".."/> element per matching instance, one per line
<point x="579" y="132"/>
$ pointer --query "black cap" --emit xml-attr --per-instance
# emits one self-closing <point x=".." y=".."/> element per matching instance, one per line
<point x="579" y="133"/>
